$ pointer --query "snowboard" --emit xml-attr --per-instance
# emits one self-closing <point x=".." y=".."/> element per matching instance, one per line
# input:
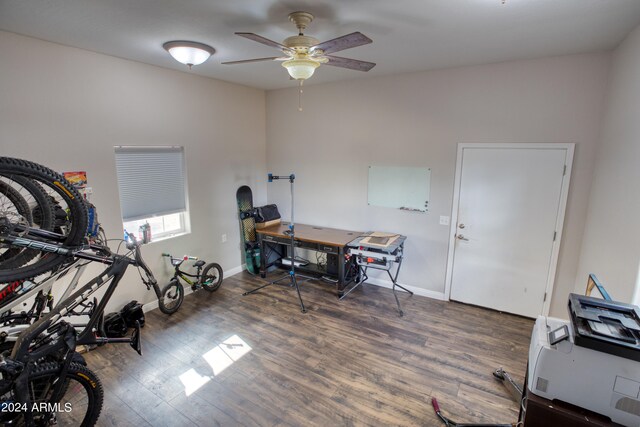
<point x="246" y="214"/>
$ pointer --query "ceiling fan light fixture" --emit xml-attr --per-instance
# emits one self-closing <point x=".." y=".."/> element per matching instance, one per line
<point x="301" y="69"/>
<point x="189" y="53"/>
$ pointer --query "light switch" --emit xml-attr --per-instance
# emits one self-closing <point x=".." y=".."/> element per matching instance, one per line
<point x="444" y="220"/>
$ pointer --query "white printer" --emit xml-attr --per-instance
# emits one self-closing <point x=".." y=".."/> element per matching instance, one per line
<point x="592" y="361"/>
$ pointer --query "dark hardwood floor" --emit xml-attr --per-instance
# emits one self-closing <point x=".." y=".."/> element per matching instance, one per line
<point x="352" y="362"/>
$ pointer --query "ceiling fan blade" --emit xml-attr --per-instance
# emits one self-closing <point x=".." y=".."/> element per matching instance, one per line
<point x="243" y="61"/>
<point x="342" y="43"/>
<point x="352" y="64"/>
<point x="263" y="40"/>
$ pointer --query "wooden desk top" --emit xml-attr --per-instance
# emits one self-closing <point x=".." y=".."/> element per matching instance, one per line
<point x="310" y="233"/>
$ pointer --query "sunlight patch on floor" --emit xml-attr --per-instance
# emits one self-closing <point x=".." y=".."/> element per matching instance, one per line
<point x="219" y="358"/>
<point x="192" y="381"/>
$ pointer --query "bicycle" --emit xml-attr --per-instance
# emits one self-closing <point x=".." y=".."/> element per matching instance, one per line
<point x="42" y="375"/>
<point x="44" y="380"/>
<point x="207" y="277"/>
<point x="13" y="323"/>
<point x="32" y="197"/>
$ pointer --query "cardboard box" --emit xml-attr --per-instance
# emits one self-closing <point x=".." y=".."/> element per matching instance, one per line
<point x="261" y="225"/>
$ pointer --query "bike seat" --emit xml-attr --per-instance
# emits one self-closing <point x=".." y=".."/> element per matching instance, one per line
<point x="199" y="263"/>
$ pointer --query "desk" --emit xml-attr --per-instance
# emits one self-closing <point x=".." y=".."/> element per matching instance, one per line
<point x="331" y="241"/>
<point x="541" y="412"/>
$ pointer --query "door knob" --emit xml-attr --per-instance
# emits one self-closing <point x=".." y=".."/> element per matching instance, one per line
<point x="461" y="226"/>
<point x="461" y="237"/>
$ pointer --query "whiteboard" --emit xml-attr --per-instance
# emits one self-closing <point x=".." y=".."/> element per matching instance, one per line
<point x="405" y="188"/>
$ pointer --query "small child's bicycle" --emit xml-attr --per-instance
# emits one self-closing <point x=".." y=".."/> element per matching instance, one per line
<point x="208" y="277"/>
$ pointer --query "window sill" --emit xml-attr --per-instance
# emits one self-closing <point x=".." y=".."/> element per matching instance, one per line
<point x="169" y="236"/>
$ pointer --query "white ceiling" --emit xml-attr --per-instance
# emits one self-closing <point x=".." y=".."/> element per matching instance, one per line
<point x="408" y="35"/>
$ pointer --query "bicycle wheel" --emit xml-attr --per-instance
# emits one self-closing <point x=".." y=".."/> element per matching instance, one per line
<point x="35" y="211"/>
<point x="211" y="278"/>
<point x="13" y="205"/>
<point x="78" y="403"/>
<point x="39" y="201"/>
<point x="171" y="297"/>
<point x="70" y="217"/>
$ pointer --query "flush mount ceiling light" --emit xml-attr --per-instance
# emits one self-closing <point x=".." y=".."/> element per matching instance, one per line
<point x="189" y="53"/>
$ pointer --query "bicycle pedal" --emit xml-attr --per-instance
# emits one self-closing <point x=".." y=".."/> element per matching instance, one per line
<point x="136" y="341"/>
<point x="194" y="288"/>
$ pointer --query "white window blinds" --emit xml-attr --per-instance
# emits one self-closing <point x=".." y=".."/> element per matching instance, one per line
<point x="151" y="181"/>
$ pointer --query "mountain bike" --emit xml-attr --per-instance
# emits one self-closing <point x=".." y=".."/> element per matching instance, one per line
<point x="42" y="218"/>
<point x="41" y="374"/>
<point x="38" y="209"/>
<point x="42" y="381"/>
<point x="207" y="277"/>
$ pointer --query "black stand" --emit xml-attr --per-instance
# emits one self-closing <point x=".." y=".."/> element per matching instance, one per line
<point x="292" y="272"/>
<point x="394" y="280"/>
<point x="362" y="276"/>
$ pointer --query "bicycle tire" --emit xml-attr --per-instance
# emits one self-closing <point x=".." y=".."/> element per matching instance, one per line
<point x="14" y="206"/>
<point x="13" y="202"/>
<point x="171" y="297"/>
<point x="211" y="282"/>
<point x="42" y="211"/>
<point x="76" y="213"/>
<point x="79" y="402"/>
<point x="38" y="212"/>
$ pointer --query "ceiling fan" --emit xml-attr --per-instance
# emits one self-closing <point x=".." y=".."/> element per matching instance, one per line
<point x="303" y="54"/>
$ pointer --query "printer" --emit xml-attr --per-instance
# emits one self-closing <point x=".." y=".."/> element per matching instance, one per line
<point x="592" y="360"/>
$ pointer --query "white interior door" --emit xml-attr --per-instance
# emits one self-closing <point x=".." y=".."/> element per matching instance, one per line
<point x="507" y="215"/>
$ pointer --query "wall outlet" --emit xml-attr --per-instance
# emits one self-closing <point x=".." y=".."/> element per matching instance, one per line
<point x="224" y="238"/>
<point x="444" y="220"/>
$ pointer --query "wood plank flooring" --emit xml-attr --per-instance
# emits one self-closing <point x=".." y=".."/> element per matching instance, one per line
<point x="344" y="363"/>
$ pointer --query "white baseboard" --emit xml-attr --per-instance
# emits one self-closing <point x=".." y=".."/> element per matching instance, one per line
<point x="150" y="306"/>
<point x="235" y="270"/>
<point x="378" y="282"/>
<point x="418" y="291"/>
<point x="187" y="289"/>
<point x="372" y="281"/>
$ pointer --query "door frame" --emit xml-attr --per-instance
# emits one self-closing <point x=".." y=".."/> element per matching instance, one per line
<point x="564" y="194"/>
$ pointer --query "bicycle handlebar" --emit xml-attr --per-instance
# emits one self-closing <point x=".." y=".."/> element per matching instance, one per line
<point x="435" y="405"/>
<point x="184" y="258"/>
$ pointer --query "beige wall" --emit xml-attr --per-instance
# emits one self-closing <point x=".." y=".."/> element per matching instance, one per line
<point x="611" y="244"/>
<point x="417" y="120"/>
<point x="67" y="108"/>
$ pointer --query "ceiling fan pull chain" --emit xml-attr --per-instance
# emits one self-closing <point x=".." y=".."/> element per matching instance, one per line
<point x="300" y="95"/>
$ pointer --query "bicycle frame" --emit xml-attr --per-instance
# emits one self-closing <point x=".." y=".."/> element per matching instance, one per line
<point x="62" y="335"/>
<point x="16" y="292"/>
<point x="113" y="274"/>
<point x="25" y="357"/>
<point x="46" y="285"/>
<point x="184" y="275"/>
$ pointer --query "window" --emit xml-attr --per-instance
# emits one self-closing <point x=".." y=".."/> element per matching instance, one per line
<point x="152" y="184"/>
